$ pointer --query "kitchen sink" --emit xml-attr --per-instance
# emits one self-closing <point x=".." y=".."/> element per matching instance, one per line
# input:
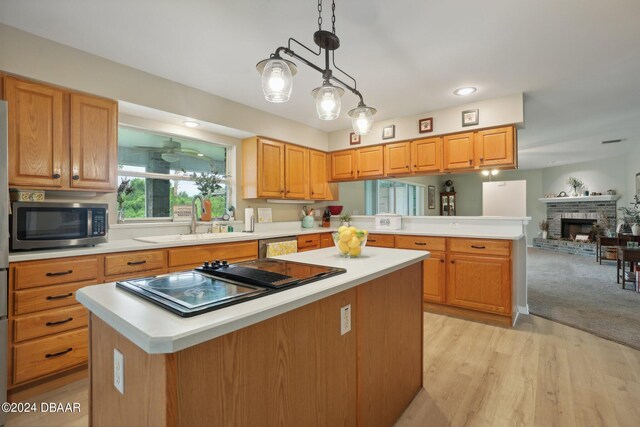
<point x="190" y="237"/>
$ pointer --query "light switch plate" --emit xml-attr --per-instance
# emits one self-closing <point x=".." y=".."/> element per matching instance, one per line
<point x="118" y="370"/>
<point x="345" y="319"/>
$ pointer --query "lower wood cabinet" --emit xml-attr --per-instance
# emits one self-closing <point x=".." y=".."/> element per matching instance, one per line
<point x="480" y="282"/>
<point x="381" y="240"/>
<point x="308" y="242"/>
<point x="188" y="257"/>
<point x="326" y="240"/>
<point x="434" y="277"/>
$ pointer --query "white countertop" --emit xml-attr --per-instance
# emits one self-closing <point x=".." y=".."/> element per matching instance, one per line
<point x="453" y="228"/>
<point x="156" y="330"/>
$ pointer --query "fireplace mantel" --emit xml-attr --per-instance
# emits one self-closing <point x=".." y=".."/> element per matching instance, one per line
<point x="603" y="198"/>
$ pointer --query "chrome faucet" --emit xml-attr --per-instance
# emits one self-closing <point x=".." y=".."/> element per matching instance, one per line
<point x="194" y="214"/>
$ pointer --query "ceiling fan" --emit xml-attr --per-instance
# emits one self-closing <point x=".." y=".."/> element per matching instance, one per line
<point x="172" y="150"/>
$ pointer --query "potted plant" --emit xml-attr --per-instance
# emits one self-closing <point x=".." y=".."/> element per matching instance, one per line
<point x="207" y="184"/>
<point x="574" y="183"/>
<point x="544" y="227"/>
<point x="345" y="218"/>
<point x="631" y="216"/>
<point x="124" y="189"/>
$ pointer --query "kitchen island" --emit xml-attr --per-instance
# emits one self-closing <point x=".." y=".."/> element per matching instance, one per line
<point x="291" y="358"/>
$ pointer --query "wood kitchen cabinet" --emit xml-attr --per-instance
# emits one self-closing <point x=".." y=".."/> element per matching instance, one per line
<point x="370" y="161"/>
<point x="397" y="158"/>
<point x="308" y="242"/>
<point x="458" y="151"/>
<point x="426" y="155"/>
<point x="479" y="275"/>
<point x="60" y="139"/>
<point x="495" y="147"/>
<point x="38" y="149"/>
<point x="94" y="143"/>
<point x="326" y="240"/>
<point x="344" y="165"/>
<point x="381" y="240"/>
<point x="433" y="268"/>
<point x="278" y="170"/>
<point x="296" y="172"/>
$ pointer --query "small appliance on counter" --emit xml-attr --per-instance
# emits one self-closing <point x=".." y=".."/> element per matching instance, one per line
<point x="41" y="225"/>
<point x="388" y="221"/>
<point x="218" y="284"/>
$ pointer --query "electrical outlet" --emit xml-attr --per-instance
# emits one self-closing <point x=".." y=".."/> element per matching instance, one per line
<point x="118" y="370"/>
<point x="454" y="225"/>
<point x="345" y="319"/>
<point x="317" y="213"/>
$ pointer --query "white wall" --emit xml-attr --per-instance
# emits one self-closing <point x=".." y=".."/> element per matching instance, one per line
<point x="632" y="163"/>
<point x="493" y="112"/>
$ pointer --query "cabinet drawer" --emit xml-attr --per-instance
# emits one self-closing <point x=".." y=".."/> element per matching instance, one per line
<point x="53" y="272"/>
<point x="41" y="325"/>
<point x="49" y="355"/>
<point x="308" y="241"/>
<point x="46" y="298"/>
<point x="196" y="255"/>
<point x="326" y="240"/>
<point x="424" y="243"/>
<point x="381" y="240"/>
<point x="481" y="246"/>
<point x="133" y="262"/>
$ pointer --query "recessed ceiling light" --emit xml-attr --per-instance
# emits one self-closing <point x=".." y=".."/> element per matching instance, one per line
<point x="463" y="91"/>
<point x="191" y="124"/>
<point x="200" y="155"/>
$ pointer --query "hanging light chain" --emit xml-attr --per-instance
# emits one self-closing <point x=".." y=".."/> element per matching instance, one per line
<point x="319" y="15"/>
<point x="333" y="15"/>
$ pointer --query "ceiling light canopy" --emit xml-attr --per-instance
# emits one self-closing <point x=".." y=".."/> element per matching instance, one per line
<point x="191" y="124"/>
<point x="277" y="78"/>
<point x="464" y="91"/>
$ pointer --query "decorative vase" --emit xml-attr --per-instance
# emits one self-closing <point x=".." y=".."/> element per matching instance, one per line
<point x="206" y="214"/>
<point x="308" y="222"/>
<point x="545" y="233"/>
<point x="635" y="229"/>
<point x="120" y="217"/>
<point x="345" y="223"/>
<point x="575" y="192"/>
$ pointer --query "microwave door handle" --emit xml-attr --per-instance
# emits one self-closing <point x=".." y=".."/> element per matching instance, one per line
<point x="89" y="222"/>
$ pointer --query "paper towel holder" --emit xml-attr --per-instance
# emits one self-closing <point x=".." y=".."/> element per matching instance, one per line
<point x="253" y="226"/>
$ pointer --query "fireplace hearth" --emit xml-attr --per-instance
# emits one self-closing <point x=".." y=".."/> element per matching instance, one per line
<point x="571" y="227"/>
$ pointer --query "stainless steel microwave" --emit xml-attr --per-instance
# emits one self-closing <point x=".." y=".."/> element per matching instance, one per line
<point x="40" y="225"/>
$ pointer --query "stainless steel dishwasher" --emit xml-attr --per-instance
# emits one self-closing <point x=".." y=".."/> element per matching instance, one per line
<point x="263" y="244"/>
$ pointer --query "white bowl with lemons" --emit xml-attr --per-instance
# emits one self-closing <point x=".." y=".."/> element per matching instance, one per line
<point x="350" y="241"/>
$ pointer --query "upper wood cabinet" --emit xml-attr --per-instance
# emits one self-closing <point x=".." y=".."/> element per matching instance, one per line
<point x="94" y="150"/>
<point x="277" y="170"/>
<point x="495" y="147"/>
<point x="343" y="165"/>
<point x="426" y="155"/>
<point x="296" y="176"/>
<point x="318" y="186"/>
<point x="458" y="151"/>
<point x="59" y="139"/>
<point x="370" y="162"/>
<point x="397" y="158"/>
<point x="38" y="150"/>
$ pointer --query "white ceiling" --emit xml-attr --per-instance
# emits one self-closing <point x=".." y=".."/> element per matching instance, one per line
<point x="577" y="61"/>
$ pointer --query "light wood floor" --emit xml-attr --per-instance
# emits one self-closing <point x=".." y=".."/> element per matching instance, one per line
<point x="540" y="373"/>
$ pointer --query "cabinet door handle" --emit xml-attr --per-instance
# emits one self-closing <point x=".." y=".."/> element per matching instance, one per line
<point x="371" y="240"/>
<point x="137" y="262"/>
<point x="308" y="241"/>
<point x="60" y="322"/>
<point x="477" y="247"/>
<point x="56" y="176"/>
<point x="60" y="273"/>
<point x="469" y="161"/>
<point x="453" y="262"/>
<point x="415" y="166"/>
<point x="482" y="159"/>
<point x="76" y="177"/>
<point x="52" y="297"/>
<point x="420" y="243"/>
<point x="60" y="353"/>
<point x="442" y="260"/>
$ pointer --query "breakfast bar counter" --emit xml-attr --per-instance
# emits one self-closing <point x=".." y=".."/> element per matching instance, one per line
<point x="345" y="350"/>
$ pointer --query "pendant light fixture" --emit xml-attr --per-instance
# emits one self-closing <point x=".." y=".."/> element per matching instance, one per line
<point x="277" y="77"/>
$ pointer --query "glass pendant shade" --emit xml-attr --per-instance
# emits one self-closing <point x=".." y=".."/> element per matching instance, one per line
<point x="277" y="81"/>
<point x="328" y="101"/>
<point x="362" y="119"/>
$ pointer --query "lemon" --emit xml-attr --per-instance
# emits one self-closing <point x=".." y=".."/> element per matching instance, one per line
<point x="342" y="228"/>
<point x="353" y="242"/>
<point x="354" y="251"/>
<point x="353" y="229"/>
<point x="343" y="248"/>
<point x="345" y="236"/>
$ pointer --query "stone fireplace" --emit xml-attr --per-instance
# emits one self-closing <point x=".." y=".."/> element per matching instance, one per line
<point x="571" y="227"/>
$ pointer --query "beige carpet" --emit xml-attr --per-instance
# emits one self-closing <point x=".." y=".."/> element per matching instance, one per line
<point x="578" y="292"/>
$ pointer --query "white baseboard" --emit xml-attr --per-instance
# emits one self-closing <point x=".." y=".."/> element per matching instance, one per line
<point x="523" y="309"/>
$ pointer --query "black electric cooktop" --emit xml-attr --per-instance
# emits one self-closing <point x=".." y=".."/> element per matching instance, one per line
<point x="218" y="284"/>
